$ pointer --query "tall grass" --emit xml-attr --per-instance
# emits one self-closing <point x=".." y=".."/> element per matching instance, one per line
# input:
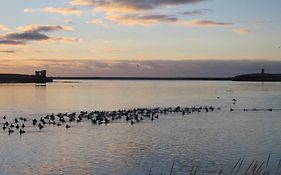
<point x="241" y="167"/>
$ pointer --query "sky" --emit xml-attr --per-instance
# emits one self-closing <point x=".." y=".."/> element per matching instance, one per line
<point x="140" y="37"/>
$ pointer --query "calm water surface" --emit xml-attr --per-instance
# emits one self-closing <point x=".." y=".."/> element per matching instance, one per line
<point x="211" y="141"/>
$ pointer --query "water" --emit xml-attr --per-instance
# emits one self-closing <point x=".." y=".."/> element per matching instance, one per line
<point x="210" y="141"/>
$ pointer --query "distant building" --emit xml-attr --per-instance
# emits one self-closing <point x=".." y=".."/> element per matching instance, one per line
<point x="42" y="73"/>
<point x="41" y="77"/>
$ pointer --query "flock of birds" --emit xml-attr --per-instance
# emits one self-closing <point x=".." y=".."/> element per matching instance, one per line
<point x="96" y="117"/>
<point x="104" y="117"/>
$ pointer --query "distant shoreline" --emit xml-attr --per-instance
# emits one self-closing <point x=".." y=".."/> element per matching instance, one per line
<point x="22" y="78"/>
<point x="143" y="78"/>
<point x="260" y="77"/>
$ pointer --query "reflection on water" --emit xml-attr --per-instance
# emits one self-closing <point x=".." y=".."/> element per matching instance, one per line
<point x="210" y="141"/>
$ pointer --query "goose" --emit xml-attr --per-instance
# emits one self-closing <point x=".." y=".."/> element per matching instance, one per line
<point x="21" y="131"/>
<point x="40" y="126"/>
<point x="10" y="130"/>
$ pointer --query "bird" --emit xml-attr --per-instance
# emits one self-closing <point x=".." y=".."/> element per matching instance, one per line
<point x="21" y="131"/>
<point x="34" y="121"/>
<point x="10" y="130"/>
<point x="40" y="126"/>
<point x="67" y="126"/>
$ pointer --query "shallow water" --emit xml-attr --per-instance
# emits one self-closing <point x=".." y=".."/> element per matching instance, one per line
<point x="210" y="141"/>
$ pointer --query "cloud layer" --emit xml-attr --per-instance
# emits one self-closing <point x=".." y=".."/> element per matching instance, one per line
<point x="130" y="5"/>
<point x="7" y="51"/>
<point x="242" y="31"/>
<point x="35" y="33"/>
<point x="61" y="11"/>
<point x="4" y="28"/>
<point x="141" y="68"/>
<point x="135" y="19"/>
<point x="208" y="23"/>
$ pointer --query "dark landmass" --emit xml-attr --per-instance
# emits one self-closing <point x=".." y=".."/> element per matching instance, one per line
<point x="21" y="78"/>
<point x="144" y="78"/>
<point x="245" y="77"/>
<point x="258" y="77"/>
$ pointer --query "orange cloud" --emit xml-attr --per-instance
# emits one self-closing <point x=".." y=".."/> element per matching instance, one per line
<point x="61" y="11"/>
<point x="207" y="23"/>
<point x="4" y="28"/>
<point x="242" y="31"/>
<point x="44" y="28"/>
<point x="135" y="19"/>
<point x="34" y="33"/>
<point x="130" y="6"/>
<point x="98" y="22"/>
<point x="66" y="40"/>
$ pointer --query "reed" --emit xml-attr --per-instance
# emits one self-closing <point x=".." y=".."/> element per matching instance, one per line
<point x="241" y="167"/>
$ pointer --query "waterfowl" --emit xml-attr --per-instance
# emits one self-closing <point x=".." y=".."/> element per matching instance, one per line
<point x="132" y="122"/>
<point x="34" y="121"/>
<point x="10" y="130"/>
<point x="40" y="126"/>
<point x="21" y="131"/>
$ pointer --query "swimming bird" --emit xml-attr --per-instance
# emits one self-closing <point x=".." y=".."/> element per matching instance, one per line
<point x="10" y="131"/>
<point x="21" y="131"/>
<point x="40" y="126"/>
<point x="132" y="122"/>
<point x="4" y="117"/>
<point x="34" y="121"/>
<point x="94" y="121"/>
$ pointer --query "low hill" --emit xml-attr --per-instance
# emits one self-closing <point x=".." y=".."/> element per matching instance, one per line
<point x="258" y="77"/>
<point x="21" y="78"/>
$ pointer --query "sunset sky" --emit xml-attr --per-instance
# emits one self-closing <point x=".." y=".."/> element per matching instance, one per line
<point x="140" y="37"/>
